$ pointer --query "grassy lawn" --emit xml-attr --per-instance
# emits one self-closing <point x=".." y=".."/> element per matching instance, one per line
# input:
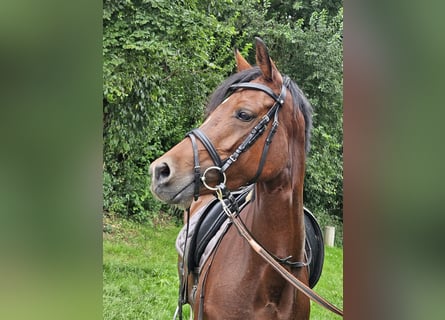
<point x="330" y="285"/>
<point x="140" y="277"/>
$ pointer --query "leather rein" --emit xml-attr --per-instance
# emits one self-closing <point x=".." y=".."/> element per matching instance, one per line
<point x="222" y="192"/>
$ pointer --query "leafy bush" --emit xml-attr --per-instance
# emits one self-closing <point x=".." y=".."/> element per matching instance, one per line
<point x="154" y="52"/>
<point x="162" y="59"/>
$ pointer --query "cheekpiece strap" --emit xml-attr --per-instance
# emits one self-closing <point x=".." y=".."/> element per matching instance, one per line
<point x="197" y="167"/>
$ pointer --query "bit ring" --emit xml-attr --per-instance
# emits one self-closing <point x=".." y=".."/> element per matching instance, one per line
<point x="221" y="173"/>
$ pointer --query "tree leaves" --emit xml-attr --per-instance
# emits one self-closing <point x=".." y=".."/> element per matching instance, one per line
<point x="162" y="59"/>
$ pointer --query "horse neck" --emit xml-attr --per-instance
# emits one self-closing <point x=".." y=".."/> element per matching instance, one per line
<point x="278" y="219"/>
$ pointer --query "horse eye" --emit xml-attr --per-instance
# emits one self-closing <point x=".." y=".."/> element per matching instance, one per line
<point x="244" y="115"/>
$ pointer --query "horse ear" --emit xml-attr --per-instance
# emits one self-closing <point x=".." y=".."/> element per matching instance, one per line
<point x="241" y="63"/>
<point x="267" y="66"/>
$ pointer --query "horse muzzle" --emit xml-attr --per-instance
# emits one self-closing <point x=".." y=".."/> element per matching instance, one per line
<point x="169" y="185"/>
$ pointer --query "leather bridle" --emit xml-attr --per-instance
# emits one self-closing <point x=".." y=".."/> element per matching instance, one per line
<point x="222" y="165"/>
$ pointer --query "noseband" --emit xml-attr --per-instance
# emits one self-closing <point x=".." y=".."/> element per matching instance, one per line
<point x="222" y="165"/>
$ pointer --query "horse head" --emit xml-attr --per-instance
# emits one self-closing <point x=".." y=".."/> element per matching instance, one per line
<point x="256" y="103"/>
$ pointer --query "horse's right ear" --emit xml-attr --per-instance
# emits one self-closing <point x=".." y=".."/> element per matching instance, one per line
<point x="241" y="63"/>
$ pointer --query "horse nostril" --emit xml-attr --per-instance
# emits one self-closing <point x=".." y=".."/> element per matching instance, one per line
<point x="162" y="171"/>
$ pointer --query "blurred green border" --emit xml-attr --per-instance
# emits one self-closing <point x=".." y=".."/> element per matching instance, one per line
<point x="51" y="160"/>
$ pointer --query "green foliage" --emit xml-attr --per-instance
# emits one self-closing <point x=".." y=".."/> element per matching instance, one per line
<point x="312" y="56"/>
<point x="324" y="84"/>
<point x="162" y="59"/>
<point x="325" y="219"/>
<point x="330" y="285"/>
<point x="158" y="71"/>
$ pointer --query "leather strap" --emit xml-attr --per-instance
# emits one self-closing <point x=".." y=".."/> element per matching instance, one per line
<point x="183" y="278"/>
<point x="197" y="168"/>
<point x="266" y="148"/>
<point x="208" y="145"/>
<point x="259" y="129"/>
<point x="256" y="86"/>
<point x="256" y="132"/>
<point x="311" y="294"/>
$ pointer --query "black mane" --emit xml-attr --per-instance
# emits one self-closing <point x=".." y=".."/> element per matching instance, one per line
<point x="299" y="100"/>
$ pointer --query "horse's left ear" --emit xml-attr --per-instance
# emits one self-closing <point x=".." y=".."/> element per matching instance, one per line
<point x="241" y="63"/>
<point x="267" y="66"/>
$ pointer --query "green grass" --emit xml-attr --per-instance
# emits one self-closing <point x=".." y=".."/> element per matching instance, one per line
<point x="330" y="285"/>
<point x="140" y="276"/>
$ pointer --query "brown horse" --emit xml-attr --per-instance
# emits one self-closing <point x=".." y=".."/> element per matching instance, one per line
<point x="238" y="283"/>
